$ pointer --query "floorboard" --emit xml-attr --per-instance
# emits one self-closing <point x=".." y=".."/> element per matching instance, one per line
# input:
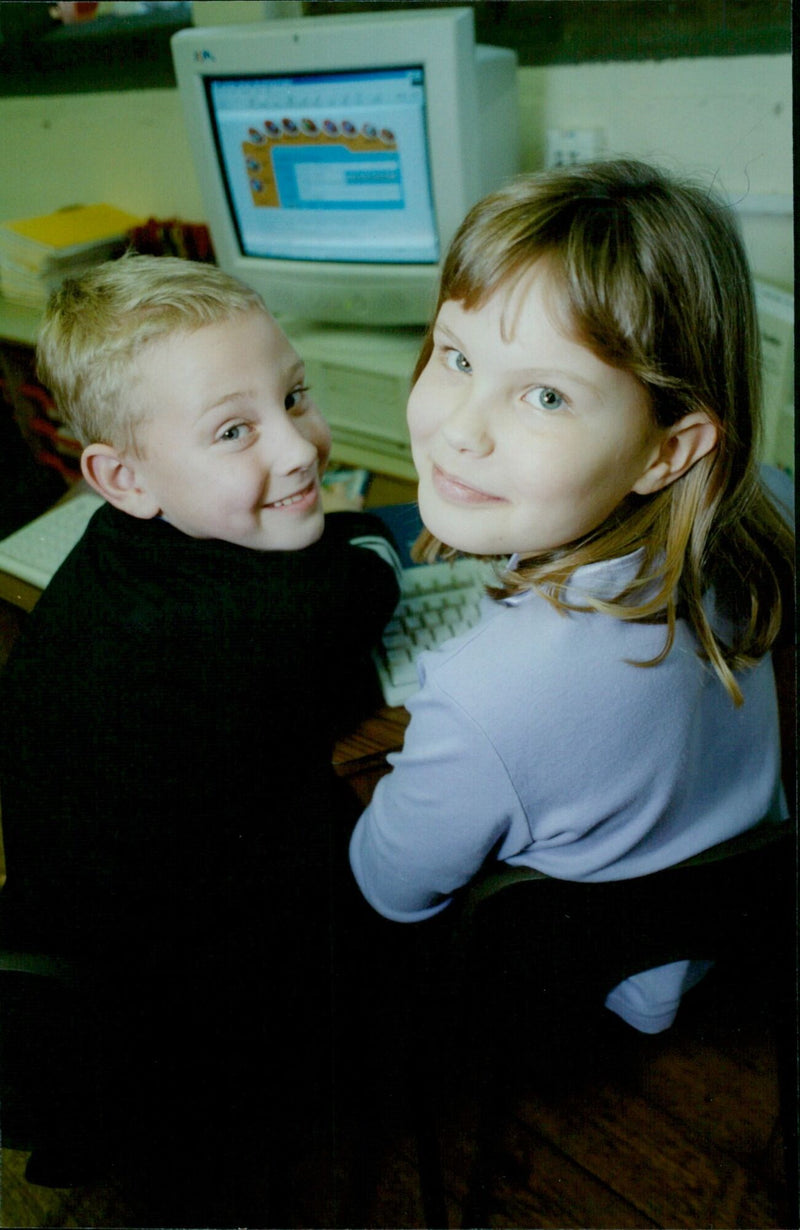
<point x="683" y="1134"/>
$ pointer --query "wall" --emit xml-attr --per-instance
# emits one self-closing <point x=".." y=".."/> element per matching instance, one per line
<point x="126" y="148"/>
<point x="729" y="117"/>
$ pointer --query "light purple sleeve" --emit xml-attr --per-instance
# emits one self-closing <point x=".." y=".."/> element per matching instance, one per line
<point x="434" y="819"/>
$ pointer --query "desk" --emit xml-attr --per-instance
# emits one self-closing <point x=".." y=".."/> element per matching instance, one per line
<point x="16" y="590"/>
<point x="360" y="757"/>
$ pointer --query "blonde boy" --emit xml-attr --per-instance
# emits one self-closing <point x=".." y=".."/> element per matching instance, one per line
<point x="172" y="819"/>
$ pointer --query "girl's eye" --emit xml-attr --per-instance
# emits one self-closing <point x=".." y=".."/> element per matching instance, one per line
<point x="545" y="398"/>
<point x="457" y="361"/>
<point x="295" y="400"/>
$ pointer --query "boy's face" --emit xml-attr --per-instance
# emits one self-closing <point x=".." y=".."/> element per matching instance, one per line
<point x="231" y="447"/>
<point x="523" y="439"/>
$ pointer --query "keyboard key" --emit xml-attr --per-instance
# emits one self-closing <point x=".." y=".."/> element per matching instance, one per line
<point x="439" y="601"/>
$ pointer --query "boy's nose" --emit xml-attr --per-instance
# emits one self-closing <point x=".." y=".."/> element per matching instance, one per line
<point x="296" y="452"/>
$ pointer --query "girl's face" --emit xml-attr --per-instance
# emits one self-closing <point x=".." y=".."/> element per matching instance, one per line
<point x="522" y="438"/>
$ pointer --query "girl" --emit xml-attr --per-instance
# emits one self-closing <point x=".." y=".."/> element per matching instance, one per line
<point x="587" y="403"/>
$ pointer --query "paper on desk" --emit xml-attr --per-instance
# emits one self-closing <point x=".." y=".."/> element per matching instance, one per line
<point x="36" y="551"/>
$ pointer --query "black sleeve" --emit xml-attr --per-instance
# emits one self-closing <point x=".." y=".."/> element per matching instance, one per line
<point x="343" y="594"/>
<point x="360" y="574"/>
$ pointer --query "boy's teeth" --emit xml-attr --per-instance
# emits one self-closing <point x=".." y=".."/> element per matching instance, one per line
<point x="292" y="499"/>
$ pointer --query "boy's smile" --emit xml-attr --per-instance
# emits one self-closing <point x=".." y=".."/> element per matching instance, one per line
<point x="231" y="446"/>
<point x="523" y="439"/>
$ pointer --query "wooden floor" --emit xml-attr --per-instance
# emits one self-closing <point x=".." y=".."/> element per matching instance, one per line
<point x="682" y="1130"/>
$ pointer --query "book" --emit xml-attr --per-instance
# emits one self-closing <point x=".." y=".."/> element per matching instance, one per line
<point x="65" y="233"/>
<point x="37" y="253"/>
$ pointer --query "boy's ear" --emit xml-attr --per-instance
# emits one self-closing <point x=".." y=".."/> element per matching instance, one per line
<point x="691" y="438"/>
<point x="114" y="477"/>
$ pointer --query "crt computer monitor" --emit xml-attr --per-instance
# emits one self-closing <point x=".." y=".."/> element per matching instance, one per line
<point x="337" y="155"/>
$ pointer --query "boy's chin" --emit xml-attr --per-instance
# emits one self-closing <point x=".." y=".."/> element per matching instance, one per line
<point x="294" y="536"/>
<point x="300" y="538"/>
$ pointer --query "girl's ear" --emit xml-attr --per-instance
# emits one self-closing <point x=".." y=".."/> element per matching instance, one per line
<point x="691" y="438"/>
<point x="113" y="476"/>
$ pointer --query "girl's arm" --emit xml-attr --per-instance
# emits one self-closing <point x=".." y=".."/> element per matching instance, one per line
<point x="446" y="806"/>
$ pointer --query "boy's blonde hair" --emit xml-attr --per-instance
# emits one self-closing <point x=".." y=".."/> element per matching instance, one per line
<point x="657" y="284"/>
<point x="95" y="326"/>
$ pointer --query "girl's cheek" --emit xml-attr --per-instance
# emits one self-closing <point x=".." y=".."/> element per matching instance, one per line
<point x="420" y="416"/>
<point x="411" y="420"/>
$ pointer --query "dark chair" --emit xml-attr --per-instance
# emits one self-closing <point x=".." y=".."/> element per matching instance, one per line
<point x="46" y="1066"/>
<point x="750" y="932"/>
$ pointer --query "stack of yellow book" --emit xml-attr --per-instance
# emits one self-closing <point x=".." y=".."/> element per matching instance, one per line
<point x="36" y="254"/>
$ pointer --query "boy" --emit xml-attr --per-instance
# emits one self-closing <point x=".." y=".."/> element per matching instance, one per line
<point x="172" y="820"/>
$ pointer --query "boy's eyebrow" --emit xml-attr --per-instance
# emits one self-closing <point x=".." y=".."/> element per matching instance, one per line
<point x="293" y="374"/>
<point x="220" y="402"/>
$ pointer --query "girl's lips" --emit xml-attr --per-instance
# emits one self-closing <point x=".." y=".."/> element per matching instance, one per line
<point x="300" y="501"/>
<point x="450" y="488"/>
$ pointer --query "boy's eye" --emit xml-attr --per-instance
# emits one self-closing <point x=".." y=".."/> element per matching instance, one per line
<point x="296" y="398"/>
<point x="236" y="431"/>
<point x="545" y="398"/>
<point x="457" y="361"/>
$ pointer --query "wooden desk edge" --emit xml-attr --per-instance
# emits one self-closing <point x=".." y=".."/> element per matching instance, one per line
<point x="18" y="592"/>
<point x="365" y="749"/>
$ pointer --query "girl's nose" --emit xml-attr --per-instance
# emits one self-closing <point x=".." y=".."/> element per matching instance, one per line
<point x="466" y="428"/>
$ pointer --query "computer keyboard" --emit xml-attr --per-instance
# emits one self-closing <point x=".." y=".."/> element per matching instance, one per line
<point x="39" y="548"/>
<point x="438" y="601"/>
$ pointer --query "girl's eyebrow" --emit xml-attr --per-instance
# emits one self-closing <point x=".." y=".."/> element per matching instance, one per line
<point x="531" y="373"/>
<point x="547" y="373"/>
<point x="439" y="328"/>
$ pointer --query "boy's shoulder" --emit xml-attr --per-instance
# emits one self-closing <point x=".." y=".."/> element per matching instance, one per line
<point x="354" y="526"/>
<point x="126" y="573"/>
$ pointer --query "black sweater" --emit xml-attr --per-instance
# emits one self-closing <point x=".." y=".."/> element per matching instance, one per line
<point x="166" y="727"/>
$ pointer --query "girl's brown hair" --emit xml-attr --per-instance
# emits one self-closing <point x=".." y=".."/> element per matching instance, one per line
<point x="657" y="284"/>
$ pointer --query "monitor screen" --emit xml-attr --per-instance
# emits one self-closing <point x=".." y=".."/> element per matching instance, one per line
<point x="328" y="166"/>
<point x="337" y="155"/>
